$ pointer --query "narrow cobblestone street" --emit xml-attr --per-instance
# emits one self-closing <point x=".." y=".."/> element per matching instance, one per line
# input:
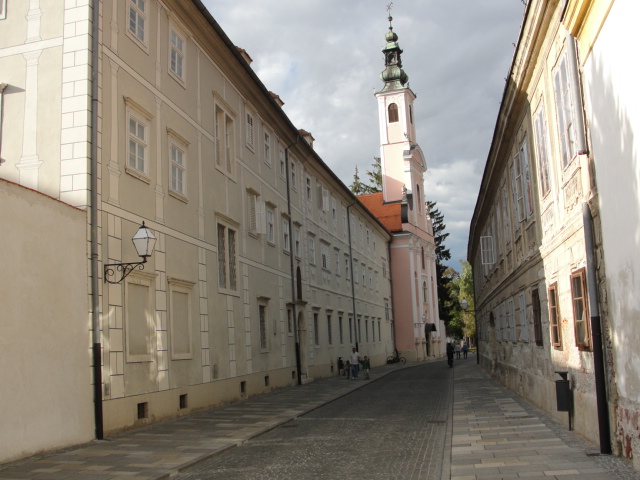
<point x="394" y="428"/>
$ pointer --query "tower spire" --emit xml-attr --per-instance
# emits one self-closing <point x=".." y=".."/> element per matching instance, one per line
<point x="393" y="76"/>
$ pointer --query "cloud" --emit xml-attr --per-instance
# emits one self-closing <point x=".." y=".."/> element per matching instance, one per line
<point x="323" y="57"/>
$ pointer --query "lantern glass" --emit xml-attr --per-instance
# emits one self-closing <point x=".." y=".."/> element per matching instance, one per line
<point x="145" y="241"/>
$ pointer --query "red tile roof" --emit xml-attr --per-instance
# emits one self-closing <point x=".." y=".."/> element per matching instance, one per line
<point x="387" y="214"/>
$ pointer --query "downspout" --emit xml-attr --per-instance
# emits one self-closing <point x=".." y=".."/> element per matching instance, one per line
<point x="596" y="334"/>
<point x="93" y="208"/>
<point x="296" y="334"/>
<point x="353" y="286"/>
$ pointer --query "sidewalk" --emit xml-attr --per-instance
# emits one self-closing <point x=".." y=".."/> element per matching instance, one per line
<point x="157" y="451"/>
<point x="494" y="435"/>
<point x="497" y="435"/>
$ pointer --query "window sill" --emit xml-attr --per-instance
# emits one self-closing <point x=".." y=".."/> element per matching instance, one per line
<point x="178" y="196"/>
<point x="181" y="81"/>
<point x="138" y="174"/>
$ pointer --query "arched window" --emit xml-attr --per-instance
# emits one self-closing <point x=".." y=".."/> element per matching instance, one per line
<point x="393" y="113"/>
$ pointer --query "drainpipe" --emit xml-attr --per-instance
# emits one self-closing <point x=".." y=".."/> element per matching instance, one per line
<point x="353" y="287"/>
<point x="596" y="334"/>
<point x="95" y="284"/>
<point x="296" y="334"/>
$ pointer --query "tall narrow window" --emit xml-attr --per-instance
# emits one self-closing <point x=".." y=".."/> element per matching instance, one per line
<point x="350" y="330"/>
<point x="227" y="278"/>
<point x="580" y="309"/>
<point x="312" y="251"/>
<point x="286" y="235"/>
<point x="137" y="19"/>
<point x="267" y="148"/>
<point x="137" y="145"/>
<point x="316" y="330"/>
<point x="393" y="113"/>
<point x="537" y="316"/>
<point x="224" y="138"/>
<point x="296" y="233"/>
<point x="250" y="132"/>
<point x="554" y="317"/>
<point x="340" y="329"/>
<point x="262" y="315"/>
<point x="324" y="252"/>
<point x="542" y="147"/>
<point x="329" y="330"/>
<point x="271" y="235"/>
<point x="178" y="161"/>
<point x="177" y="55"/>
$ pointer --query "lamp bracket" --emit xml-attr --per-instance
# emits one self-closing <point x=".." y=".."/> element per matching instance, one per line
<point x="125" y="269"/>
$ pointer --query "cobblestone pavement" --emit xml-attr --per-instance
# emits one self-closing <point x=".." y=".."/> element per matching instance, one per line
<point x="488" y="433"/>
<point x="394" y="428"/>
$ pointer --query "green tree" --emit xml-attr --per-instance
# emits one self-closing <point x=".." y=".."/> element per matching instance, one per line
<point x="375" y="179"/>
<point x="461" y="288"/>
<point x="442" y="255"/>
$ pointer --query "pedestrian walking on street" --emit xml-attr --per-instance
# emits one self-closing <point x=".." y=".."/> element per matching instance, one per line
<point x="366" y="365"/>
<point x="457" y="350"/>
<point x="450" y="354"/>
<point x="465" y="349"/>
<point x="354" y="360"/>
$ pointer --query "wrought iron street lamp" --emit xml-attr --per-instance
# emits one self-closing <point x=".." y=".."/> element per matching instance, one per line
<point x="144" y="241"/>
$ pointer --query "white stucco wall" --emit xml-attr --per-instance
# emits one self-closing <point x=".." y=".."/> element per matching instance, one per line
<point x="46" y="396"/>
<point x="612" y="90"/>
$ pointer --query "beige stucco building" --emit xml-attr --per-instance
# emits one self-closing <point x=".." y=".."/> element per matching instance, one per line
<point x="553" y="236"/>
<point x="266" y="267"/>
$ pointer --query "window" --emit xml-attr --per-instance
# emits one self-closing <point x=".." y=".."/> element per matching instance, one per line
<point x="355" y="271"/>
<point x="422" y="256"/>
<point x="267" y="148"/>
<point x="337" y="257"/>
<point x="180" y="315"/>
<point x="3" y="9"/>
<point x="316" y="330"/>
<point x="250" y="133"/>
<point x="524" y="325"/>
<point x="293" y="176"/>
<point x="312" y="250"/>
<point x="224" y="138"/>
<point x="487" y="250"/>
<point x="177" y="53"/>
<point x="379" y="331"/>
<point x="227" y="279"/>
<point x="386" y="309"/>
<point x="364" y="275"/>
<point x="137" y="19"/>
<point x="366" y="330"/>
<point x="262" y="315"/>
<point x="340" y="330"/>
<point x="271" y="231"/>
<point x="350" y="330"/>
<point x="283" y="166"/>
<point x="334" y="211"/>
<point x="329" y="331"/>
<point x="138" y="144"/>
<point x="296" y="233"/>
<point x="511" y="320"/>
<point x="139" y="317"/>
<point x="506" y="216"/>
<point x="393" y="113"/>
<point x="324" y="252"/>
<point x="309" y="195"/>
<point x="286" y="235"/>
<point x="537" y="316"/>
<point x="178" y="162"/>
<point x="564" y="96"/>
<point x="554" y="323"/>
<point x="580" y="309"/>
<point x="347" y="272"/>
<point x="289" y="320"/>
<point x="542" y="147"/>
<point x="252" y="201"/>
<point x="373" y="331"/>
<point x="325" y="199"/>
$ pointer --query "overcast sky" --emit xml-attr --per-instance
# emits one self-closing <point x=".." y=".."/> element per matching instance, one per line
<point x="323" y="58"/>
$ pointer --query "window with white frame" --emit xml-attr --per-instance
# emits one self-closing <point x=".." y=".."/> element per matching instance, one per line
<point x="309" y="194"/>
<point x="324" y="253"/>
<point x="487" y="250"/>
<point x="224" y="138"/>
<point x="286" y="235"/>
<point x="294" y="178"/>
<point x="250" y="130"/>
<point x="252" y="202"/>
<point x="347" y="272"/>
<point x="511" y="320"/>
<point x="227" y="276"/>
<point x="554" y="317"/>
<point x="296" y="235"/>
<point x="271" y="229"/>
<point x="516" y="188"/>
<point x="505" y="215"/>
<point x="312" y="250"/>
<point x="267" y="148"/>
<point x="542" y="148"/>
<point x="566" y="115"/>
<point x="178" y="165"/>
<point x="524" y="325"/>
<point x="138" y="141"/>
<point x="337" y="257"/>
<point x="177" y="54"/>
<point x="580" y="309"/>
<point x="137" y="20"/>
<point x="283" y="166"/>
<point x="180" y="292"/>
